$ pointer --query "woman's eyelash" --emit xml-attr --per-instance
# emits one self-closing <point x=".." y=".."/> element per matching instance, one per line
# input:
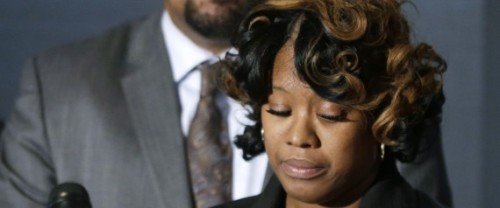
<point x="341" y="117"/>
<point x="279" y="113"/>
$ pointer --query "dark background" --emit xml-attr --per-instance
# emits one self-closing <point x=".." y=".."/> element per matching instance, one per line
<point x="465" y="32"/>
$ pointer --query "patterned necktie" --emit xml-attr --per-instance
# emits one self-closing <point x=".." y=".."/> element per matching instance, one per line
<point x="209" y="149"/>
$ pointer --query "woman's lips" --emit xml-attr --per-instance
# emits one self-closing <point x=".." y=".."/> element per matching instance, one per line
<point x="301" y="169"/>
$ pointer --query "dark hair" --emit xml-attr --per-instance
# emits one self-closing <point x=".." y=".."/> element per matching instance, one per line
<point x="354" y="53"/>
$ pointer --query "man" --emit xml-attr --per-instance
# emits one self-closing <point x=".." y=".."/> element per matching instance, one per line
<point x="104" y="112"/>
<point x="113" y="112"/>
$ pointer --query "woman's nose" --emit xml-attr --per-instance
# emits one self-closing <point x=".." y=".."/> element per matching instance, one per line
<point x="302" y="135"/>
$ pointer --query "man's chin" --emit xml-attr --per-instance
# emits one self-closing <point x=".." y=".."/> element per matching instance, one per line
<point x="217" y="26"/>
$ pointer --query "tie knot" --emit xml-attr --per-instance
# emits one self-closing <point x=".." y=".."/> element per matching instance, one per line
<point x="209" y="74"/>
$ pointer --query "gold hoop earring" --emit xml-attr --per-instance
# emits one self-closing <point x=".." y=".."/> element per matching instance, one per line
<point x="382" y="151"/>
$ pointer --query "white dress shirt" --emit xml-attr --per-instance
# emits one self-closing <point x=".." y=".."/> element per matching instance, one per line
<point x="248" y="176"/>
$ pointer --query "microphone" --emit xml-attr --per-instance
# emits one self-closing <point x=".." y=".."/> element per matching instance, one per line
<point x="69" y="195"/>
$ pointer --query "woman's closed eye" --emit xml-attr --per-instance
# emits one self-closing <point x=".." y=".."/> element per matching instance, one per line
<point x="280" y="113"/>
<point x="338" y="117"/>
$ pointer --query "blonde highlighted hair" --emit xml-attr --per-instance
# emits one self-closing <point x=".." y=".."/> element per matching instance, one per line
<point x="356" y="53"/>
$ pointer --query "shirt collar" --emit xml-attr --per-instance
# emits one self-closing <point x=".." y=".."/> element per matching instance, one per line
<point x="184" y="55"/>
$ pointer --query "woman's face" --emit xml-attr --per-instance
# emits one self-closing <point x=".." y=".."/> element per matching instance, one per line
<point x="321" y="152"/>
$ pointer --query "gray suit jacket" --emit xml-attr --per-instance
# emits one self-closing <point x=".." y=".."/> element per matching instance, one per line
<point x="104" y="113"/>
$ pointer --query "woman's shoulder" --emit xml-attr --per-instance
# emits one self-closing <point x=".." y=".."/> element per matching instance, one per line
<point x="396" y="192"/>
<point x="424" y="201"/>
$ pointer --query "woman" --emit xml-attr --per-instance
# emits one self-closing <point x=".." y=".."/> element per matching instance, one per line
<point x="338" y="94"/>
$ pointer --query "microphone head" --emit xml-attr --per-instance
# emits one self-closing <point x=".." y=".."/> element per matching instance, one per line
<point x="69" y="195"/>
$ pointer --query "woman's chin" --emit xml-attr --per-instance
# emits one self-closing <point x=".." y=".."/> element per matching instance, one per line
<point x="316" y="192"/>
<point x="306" y="191"/>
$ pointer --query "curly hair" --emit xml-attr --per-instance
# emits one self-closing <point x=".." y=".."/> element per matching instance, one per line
<point x="356" y="53"/>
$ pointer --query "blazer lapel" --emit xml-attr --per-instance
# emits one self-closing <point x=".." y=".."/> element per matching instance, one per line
<point x="152" y="99"/>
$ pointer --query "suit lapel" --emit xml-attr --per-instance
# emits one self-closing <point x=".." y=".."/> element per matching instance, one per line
<point x="152" y="100"/>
